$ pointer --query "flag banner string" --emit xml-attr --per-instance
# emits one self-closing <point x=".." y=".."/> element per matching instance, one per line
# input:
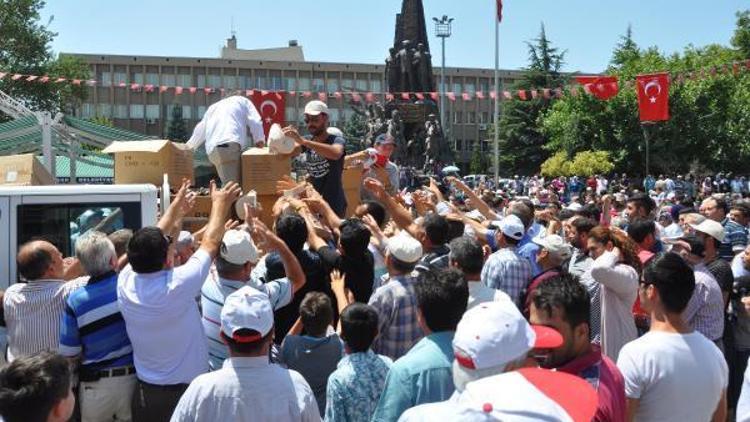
<point x="601" y="86"/>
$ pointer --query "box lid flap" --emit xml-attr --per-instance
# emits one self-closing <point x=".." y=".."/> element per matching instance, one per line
<point x="155" y="145"/>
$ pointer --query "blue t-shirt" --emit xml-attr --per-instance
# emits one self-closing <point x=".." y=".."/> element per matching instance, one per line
<point x="325" y="175"/>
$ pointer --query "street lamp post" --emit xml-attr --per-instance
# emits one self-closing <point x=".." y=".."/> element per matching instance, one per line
<point x="443" y="31"/>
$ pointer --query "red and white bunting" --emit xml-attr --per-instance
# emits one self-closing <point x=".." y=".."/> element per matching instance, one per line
<point x="356" y="97"/>
<point x="307" y="94"/>
<point x="480" y="95"/>
<point x="31" y="78"/>
<point x="178" y="90"/>
<point x="405" y="96"/>
<point x="322" y="96"/>
<point x="163" y="89"/>
<point x="16" y="77"/>
<point x="337" y="95"/>
<point x="193" y="90"/>
<point x="434" y="96"/>
<point x="2" y="75"/>
<point x="507" y="95"/>
<point x="493" y="95"/>
<point x="420" y="96"/>
<point x="370" y="97"/>
<point x="389" y="96"/>
<point x="465" y="96"/>
<point x="451" y="96"/>
<point x="522" y="94"/>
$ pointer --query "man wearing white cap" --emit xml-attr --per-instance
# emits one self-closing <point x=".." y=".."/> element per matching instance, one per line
<point x="491" y="338"/>
<point x="505" y="269"/>
<point x="248" y="387"/>
<point x="324" y="155"/>
<point x="224" y="130"/>
<point x="552" y="253"/>
<point x="396" y="300"/>
<point x="712" y="234"/>
<point x="233" y="270"/>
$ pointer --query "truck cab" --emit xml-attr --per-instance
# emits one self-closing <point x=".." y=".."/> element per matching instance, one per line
<point x="61" y="214"/>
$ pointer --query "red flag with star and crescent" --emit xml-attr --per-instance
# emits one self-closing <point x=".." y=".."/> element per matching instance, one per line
<point x="653" y="97"/>
<point x="601" y="87"/>
<point x="270" y="105"/>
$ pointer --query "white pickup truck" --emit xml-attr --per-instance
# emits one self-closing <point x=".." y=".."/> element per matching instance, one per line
<point x="61" y="214"/>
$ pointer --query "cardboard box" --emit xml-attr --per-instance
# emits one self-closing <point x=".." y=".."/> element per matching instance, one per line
<point x="266" y="214"/>
<point x="261" y="170"/>
<point x="24" y="170"/>
<point x="198" y="217"/>
<point x="147" y="161"/>
<point x="352" y="201"/>
<point x="352" y="178"/>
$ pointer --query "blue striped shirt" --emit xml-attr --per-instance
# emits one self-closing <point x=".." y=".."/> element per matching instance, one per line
<point x="92" y="326"/>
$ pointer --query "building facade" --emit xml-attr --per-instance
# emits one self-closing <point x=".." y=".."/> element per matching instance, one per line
<point x="149" y="111"/>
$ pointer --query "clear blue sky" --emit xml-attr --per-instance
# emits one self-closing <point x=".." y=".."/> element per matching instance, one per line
<point x="358" y="31"/>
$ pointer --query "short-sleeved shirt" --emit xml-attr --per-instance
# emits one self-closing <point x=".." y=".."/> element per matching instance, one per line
<point x="32" y="314"/>
<point x="705" y="310"/>
<point x="354" y="388"/>
<point x="315" y="358"/>
<point x="213" y="294"/>
<point x="424" y="375"/>
<point x="326" y="175"/>
<point x="675" y="377"/>
<point x="93" y="327"/>
<point x="163" y="321"/>
<point x="735" y="240"/>
<point x="359" y="271"/>
<point x="396" y="304"/>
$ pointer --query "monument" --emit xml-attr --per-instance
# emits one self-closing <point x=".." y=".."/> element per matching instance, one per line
<point x="410" y="119"/>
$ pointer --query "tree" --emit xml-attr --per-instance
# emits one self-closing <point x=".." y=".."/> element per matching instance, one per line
<point x="176" y="130"/>
<point x="24" y="49"/>
<point x="476" y="165"/>
<point x="102" y="121"/>
<point x="354" y="132"/>
<point x="741" y="38"/>
<point x="520" y="140"/>
<point x="626" y="50"/>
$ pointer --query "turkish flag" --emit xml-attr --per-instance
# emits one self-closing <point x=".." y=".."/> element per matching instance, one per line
<point x="480" y="95"/>
<point x="271" y="108"/>
<point x="451" y="96"/>
<point x="601" y="87"/>
<point x="434" y="96"/>
<point x="420" y="96"/>
<point x="499" y="10"/>
<point x="178" y="90"/>
<point x="370" y="97"/>
<point x="653" y="97"/>
<point x="465" y="96"/>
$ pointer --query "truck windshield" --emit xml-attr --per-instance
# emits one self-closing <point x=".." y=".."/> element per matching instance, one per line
<point x="63" y="224"/>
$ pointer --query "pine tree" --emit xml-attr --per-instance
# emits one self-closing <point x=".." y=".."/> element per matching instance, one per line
<point x="741" y="37"/>
<point x="354" y="132"/>
<point x="626" y="50"/>
<point x="176" y="131"/>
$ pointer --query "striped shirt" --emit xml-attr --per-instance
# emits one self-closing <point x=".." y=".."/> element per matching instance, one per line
<point x="735" y="240"/>
<point x="507" y="271"/>
<point x="213" y="294"/>
<point x="705" y="310"/>
<point x="92" y="326"/>
<point x="33" y="312"/>
<point x="396" y="304"/>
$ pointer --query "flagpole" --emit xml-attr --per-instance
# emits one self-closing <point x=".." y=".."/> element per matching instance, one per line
<point x="497" y="96"/>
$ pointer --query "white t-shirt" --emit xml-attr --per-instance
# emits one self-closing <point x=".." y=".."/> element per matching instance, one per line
<point x="480" y="293"/>
<point x="227" y="121"/>
<point x="743" y="405"/>
<point x="677" y="377"/>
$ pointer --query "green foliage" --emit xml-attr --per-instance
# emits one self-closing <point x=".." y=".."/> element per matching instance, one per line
<point x="557" y="165"/>
<point x="520" y="140"/>
<point x="176" y="130"/>
<point x="709" y="122"/>
<point x="585" y="163"/>
<point x="24" y="49"/>
<point x="626" y="50"/>
<point x="103" y="121"/>
<point x="355" y="130"/>
<point x="477" y="163"/>
<point x="741" y="38"/>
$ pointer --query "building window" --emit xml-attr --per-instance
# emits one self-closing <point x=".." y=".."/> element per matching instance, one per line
<point x="120" y="77"/>
<point x="470" y="117"/>
<point x="485" y="117"/>
<point x="214" y="81"/>
<point x="87" y="111"/>
<point x="290" y="114"/>
<point x="361" y="85"/>
<point x="201" y="111"/>
<point x="335" y="116"/>
<point x="458" y="117"/>
<point x="230" y="82"/>
<point x="168" y="80"/>
<point x="348" y="114"/>
<point x="485" y="146"/>
<point x="136" y="111"/>
<point x="104" y="110"/>
<point x="152" y="111"/>
<point x="318" y="85"/>
<point x="470" y="145"/>
<point x="152" y="79"/>
<point x="459" y="145"/>
<point x="187" y="112"/>
<point x="201" y="81"/>
<point x="106" y="79"/>
<point x="120" y="111"/>
<point x="260" y="79"/>
<point x="184" y="81"/>
<point x="457" y="87"/>
<point x="333" y="85"/>
<point x="470" y="88"/>
<point x="484" y="85"/>
<point x="303" y="84"/>
<point x="137" y="78"/>
<point x="275" y="81"/>
<point x="376" y="85"/>
<point x="289" y="83"/>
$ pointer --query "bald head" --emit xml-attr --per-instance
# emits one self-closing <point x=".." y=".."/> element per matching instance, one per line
<point x="39" y="259"/>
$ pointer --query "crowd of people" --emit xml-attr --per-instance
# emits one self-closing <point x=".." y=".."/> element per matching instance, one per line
<point x="445" y="302"/>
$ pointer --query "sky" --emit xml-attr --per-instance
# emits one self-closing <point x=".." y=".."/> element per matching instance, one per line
<point x="358" y="31"/>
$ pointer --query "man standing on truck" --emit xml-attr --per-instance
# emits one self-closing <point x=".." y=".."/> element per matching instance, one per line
<point x="224" y="130"/>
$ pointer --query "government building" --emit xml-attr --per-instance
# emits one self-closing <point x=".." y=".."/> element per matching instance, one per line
<point x="127" y="89"/>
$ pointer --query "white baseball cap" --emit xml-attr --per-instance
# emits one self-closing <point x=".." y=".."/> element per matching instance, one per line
<point x="405" y="248"/>
<point x="528" y="394"/>
<point x="278" y="142"/>
<point x="511" y="226"/>
<point x="555" y="245"/>
<point x="711" y="228"/>
<point x="575" y="206"/>
<point x="316" y="107"/>
<point x="238" y="248"/>
<point x="496" y="333"/>
<point x="247" y="308"/>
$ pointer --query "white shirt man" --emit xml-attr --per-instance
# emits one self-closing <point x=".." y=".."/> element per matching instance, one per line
<point x="672" y="373"/>
<point x="224" y="131"/>
<point x="248" y="387"/>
